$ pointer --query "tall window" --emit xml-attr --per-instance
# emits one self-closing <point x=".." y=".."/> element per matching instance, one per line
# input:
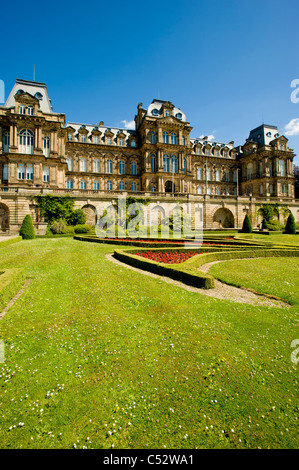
<point x="133" y="187"/>
<point x="183" y="140"/>
<point x="184" y="165"/>
<point x="5" y="172"/>
<point x="133" y="168"/>
<point x="199" y="189"/>
<point x="226" y="176"/>
<point x="209" y="190"/>
<point x="83" y="164"/>
<point x="46" y="146"/>
<point x="70" y="137"/>
<point x="21" y="171"/>
<point x="96" y="139"/>
<point x="270" y="168"/>
<point x="82" y="184"/>
<point x="153" y="164"/>
<point x="249" y="171"/>
<point x="173" y="138"/>
<point x="46" y="174"/>
<point x="166" y="163"/>
<point x="109" y="166"/>
<point x="133" y="143"/>
<point x="83" y="138"/>
<point x="96" y="165"/>
<point x="271" y="189"/>
<point x="218" y="191"/>
<point x="69" y="184"/>
<point x="165" y="137"/>
<point x="281" y="167"/>
<point x="121" y="142"/>
<point x="69" y="161"/>
<point x="235" y="176"/>
<point x="207" y="151"/>
<point x="96" y="185"/>
<point x="109" y="185"/>
<point x="121" y="186"/>
<point x="199" y="173"/>
<point x="26" y="141"/>
<point x="261" y="169"/>
<point x="174" y="164"/>
<point x="29" y="171"/>
<point x="22" y="109"/>
<point x="30" y="110"/>
<point x="6" y="141"/>
<point x="121" y="167"/>
<point x="209" y="174"/>
<point x="153" y="137"/>
<point x="217" y="175"/>
<point x="108" y="141"/>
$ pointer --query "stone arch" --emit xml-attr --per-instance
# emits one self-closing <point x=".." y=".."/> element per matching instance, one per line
<point x="223" y="218"/>
<point x="4" y="217"/>
<point x="91" y="214"/>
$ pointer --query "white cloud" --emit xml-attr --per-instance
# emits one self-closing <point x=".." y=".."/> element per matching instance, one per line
<point x="292" y="128"/>
<point x="129" y="124"/>
<point x="209" y="137"/>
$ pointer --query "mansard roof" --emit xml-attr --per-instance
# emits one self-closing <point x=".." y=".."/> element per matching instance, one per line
<point x="37" y="89"/>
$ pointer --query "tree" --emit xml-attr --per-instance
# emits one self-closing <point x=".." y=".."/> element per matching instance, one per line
<point x="76" y="217"/>
<point x="247" y="227"/>
<point x="290" y="225"/>
<point x="27" y="231"/>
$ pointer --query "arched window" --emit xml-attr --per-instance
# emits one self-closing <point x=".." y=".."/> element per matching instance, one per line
<point x="165" y="137"/>
<point x="174" y="164"/>
<point x="26" y="141"/>
<point x="83" y="164"/>
<point x="199" y="173"/>
<point x="21" y="171"/>
<point x="69" y="161"/>
<point x="46" y="145"/>
<point x="29" y="171"/>
<point x="271" y="189"/>
<point x="217" y="175"/>
<point x="121" y="167"/>
<point x="153" y="137"/>
<point x="96" y="165"/>
<point x="109" y="166"/>
<point x="46" y="174"/>
<point x="209" y="174"/>
<point x="82" y="184"/>
<point x="166" y="163"/>
<point x="184" y="165"/>
<point x="133" y="186"/>
<point x="209" y="190"/>
<point x="153" y="163"/>
<point x="109" y="186"/>
<point x="133" y="168"/>
<point x="199" y="189"/>
<point x="173" y="138"/>
<point x="121" y="186"/>
<point x="69" y="184"/>
<point x="96" y="185"/>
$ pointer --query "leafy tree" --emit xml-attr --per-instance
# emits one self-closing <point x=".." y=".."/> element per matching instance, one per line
<point x="247" y="226"/>
<point x="27" y="231"/>
<point x="55" y="207"/>
<point x="77" y="217"/>
<point x="290" y="225"/>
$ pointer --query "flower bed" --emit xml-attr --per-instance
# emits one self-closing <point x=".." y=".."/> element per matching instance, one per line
<point x="174" y="257"/>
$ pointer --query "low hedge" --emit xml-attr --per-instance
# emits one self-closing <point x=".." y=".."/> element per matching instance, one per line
<point x="11" y="281"/>
<point x="195" y="279"/>
<point x="188" y="272"/>
<point x="10" y="241"/>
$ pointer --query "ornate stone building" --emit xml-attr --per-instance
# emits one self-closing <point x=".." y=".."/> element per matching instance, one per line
<point x="40" y="153"/>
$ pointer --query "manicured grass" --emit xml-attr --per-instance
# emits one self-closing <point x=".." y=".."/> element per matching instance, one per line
<point x="98" y="355"/>
<point x="283" y="239"/>
<point x="275" y="276"/>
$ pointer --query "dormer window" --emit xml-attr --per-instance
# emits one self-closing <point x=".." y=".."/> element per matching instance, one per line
<point x="22" y="109"/>
<point x="38" y="95"/>
<point x="179" y="115"/>
<point x="167" y="113"/>
<point x="108" y="140"/>
<point x="96" y="139"/>
<point x="155" y="112"/>
<point x="70" y="137"/>
<point x="83" y="138"/>
<point x="133" y="143"/>
<point x="30" y="110"/>
<point x="121" y="142"/>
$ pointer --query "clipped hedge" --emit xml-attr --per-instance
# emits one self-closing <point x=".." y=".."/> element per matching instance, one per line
<point x="11" y="281"/>
<point x="195" y="279"/>
<point x="10" y="241"/>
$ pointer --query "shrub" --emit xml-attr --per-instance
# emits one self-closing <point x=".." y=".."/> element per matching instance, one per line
<point x="247" y="227"/>
<point x="27" y="231"/>
<point x="58" y="226"/>
<point x="274" y="225"/>
<point x="77" y="217"/>
<point x="290" y="225"/>
<point x="68" y="229"/>
<point x="82" y="228"/>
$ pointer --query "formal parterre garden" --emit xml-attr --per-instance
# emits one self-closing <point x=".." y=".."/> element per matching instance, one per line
<point x="101" y="356"/>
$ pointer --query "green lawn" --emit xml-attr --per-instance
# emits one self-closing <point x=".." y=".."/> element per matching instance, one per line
<point x="284" y="239"/>
<point x="275" y="276"/>
<point x="100" y="356"/>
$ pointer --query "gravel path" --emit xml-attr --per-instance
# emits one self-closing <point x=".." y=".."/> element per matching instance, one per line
<point x="221" y="291"/>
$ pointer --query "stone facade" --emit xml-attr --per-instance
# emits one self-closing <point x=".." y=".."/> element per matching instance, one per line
<point x="40" y="153"/>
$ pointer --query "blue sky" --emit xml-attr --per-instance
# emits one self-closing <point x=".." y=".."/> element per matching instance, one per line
<point x="228" y="64"/>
